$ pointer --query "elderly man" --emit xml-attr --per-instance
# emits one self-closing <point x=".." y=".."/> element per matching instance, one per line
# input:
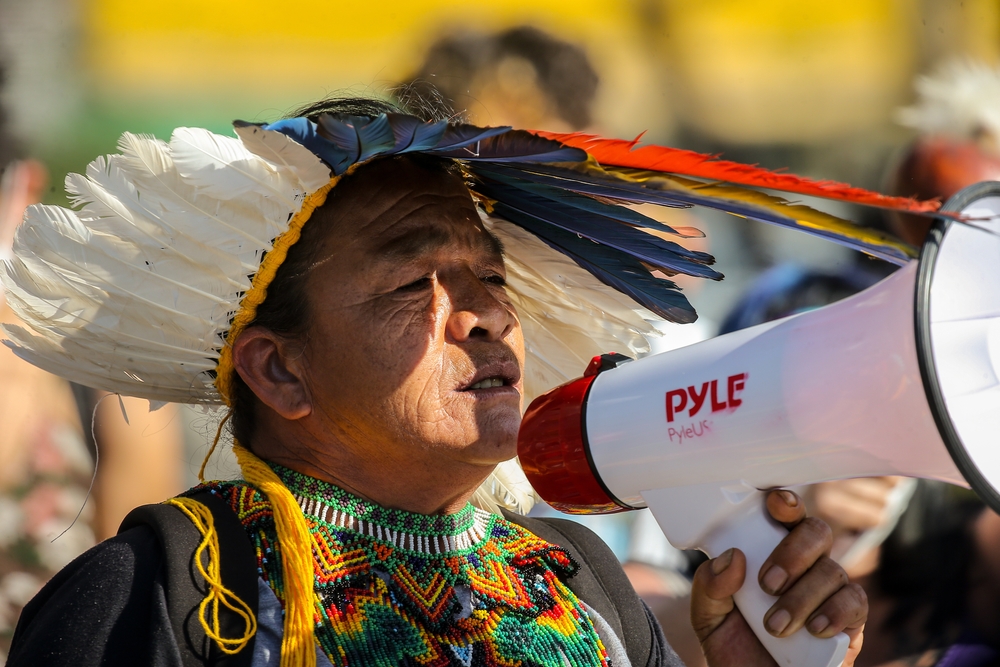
<point x="374" y="366"/>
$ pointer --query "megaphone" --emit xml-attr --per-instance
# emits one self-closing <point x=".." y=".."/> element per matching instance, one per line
<point x="900" y="379"/>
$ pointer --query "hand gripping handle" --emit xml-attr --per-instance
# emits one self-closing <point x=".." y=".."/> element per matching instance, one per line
<point x="753" y="532"/>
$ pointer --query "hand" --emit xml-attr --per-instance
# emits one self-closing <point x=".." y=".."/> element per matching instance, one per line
<point x="22" y="184"/>
<point x="852" y="505"/>
<point x="813" y="592"/>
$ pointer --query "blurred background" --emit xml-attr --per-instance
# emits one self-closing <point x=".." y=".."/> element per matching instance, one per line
<point x="812" y="86"/>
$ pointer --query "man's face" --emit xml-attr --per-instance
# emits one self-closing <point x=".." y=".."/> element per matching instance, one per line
<point x="413" y="349"/>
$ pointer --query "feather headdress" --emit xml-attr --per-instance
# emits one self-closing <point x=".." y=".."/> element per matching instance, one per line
<point x="143" y="288"/>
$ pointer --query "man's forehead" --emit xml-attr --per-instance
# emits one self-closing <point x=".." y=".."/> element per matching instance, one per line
<point x="413" y="238"/>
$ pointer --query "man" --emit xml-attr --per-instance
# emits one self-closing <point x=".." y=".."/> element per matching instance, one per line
<point x="374" y="368"/>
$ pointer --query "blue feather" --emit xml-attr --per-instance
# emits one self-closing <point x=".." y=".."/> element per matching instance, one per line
<point x="515" y="146"/>
<point x="413" y="134"/>
<point x="613" y="268"/>
<point x="460" y="136"/>
<point x="375" y="136"/>
<point x="635" y="192"/>
<point x="616" y="188"/>
<point x="640" y="245"/>
<point x="513" y="176"/>
<point x="341" y="134"/>
<point x="360" y="137"/>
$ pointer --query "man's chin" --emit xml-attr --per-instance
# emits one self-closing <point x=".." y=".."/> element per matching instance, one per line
<point x="497" y="441"/>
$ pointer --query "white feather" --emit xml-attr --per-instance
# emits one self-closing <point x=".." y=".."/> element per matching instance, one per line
<point x="112" y="205"/>
<point x="134" y="292"/>
<point x="236" y="226"/>
<point x="223" y="168"/>
<point x="506" y="488"/>
<point x="287" y="154"/>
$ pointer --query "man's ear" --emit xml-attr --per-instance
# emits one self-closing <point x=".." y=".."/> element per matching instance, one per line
<point x="271" y="367"/>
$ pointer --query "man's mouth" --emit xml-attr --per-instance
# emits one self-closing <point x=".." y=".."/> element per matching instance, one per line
<point x="497" y="373"/>
<point x="489" y="382"/>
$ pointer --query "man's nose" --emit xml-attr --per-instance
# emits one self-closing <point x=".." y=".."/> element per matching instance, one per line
<point x="476" y="312"/>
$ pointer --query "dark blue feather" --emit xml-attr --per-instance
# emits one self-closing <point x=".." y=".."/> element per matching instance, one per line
<point x="610" y="186"/>
<point x="460" y="136"/>
<point x="512" y="176"/>
<point x="413" y="134"/>
<point x="375" y="136"/>
<point x="340" y="134"/>
<point x="515" y="146"/>
<point x="611" y="267"/>
<point x="627" y="239"/>
<point x="636" y="192"/>
<point x="360" y="137"/>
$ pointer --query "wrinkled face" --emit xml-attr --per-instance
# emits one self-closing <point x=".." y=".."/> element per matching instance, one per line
<point x="413" y="346"/>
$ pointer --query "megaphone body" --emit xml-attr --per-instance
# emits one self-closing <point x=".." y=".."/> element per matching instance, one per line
<point x="900" y="379"/>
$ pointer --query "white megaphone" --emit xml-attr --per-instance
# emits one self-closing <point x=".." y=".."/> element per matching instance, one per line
<point x="901" y="379"/>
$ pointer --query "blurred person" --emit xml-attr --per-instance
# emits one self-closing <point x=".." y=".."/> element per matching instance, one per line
<point x="522" y="77"/>
<point x="52" y="507"/>
<point x="957" y="119"/>
<point x="935" y="596"/>
<point x="360" y="455"/>
<point x="45" y="468"/>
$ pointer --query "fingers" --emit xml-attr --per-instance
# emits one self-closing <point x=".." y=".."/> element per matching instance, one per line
<point x="805" y="544"/>
<point x="857" y="636"/>
<point x="852" y="504"/>
<point x="712" y="591"/>
<point x="822" y="600"/>
<point x="786" y="508"/>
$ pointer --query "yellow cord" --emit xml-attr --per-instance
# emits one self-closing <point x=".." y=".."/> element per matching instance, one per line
<point x="258" y="286"/>
<point x="208" y="610"/>
<point x="297" y="645"/>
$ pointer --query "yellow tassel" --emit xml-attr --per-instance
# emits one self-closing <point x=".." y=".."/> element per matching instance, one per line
<point x="208" y="610"/>
<point x="258" y="287"/>
<point x="298" y="645"/>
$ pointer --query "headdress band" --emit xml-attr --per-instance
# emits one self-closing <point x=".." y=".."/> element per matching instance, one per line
<point x="258" y="289"/>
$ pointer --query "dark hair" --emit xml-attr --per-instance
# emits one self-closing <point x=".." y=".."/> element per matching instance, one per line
<point x="285" y="311"/>
<point x="565" y="75"/>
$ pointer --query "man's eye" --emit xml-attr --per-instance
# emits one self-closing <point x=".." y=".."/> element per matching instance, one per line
<point x="416" y="285"/>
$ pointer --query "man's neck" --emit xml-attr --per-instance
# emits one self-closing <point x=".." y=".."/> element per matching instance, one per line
<point x="412" y="485"/>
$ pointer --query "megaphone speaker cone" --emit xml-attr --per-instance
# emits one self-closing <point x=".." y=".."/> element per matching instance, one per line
<point x="957" y="317"/>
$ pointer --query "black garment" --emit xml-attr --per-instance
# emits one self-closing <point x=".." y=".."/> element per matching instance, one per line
<point x="133" y="599"/>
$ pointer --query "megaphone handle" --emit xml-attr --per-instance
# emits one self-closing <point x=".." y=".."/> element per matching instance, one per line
<point x="753" y="532"/>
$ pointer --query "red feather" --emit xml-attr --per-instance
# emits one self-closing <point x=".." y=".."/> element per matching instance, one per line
<point x="621" y="153"/>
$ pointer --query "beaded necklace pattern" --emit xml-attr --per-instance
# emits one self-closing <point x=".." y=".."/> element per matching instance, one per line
<point x="396" y="588"/>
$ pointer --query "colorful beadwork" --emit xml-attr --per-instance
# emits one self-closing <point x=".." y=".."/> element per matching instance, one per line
<point x="396" y="588"/>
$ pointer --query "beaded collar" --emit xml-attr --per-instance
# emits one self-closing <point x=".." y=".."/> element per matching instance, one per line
<point x="396" y="588"/>
<point x="426" y="534"/>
